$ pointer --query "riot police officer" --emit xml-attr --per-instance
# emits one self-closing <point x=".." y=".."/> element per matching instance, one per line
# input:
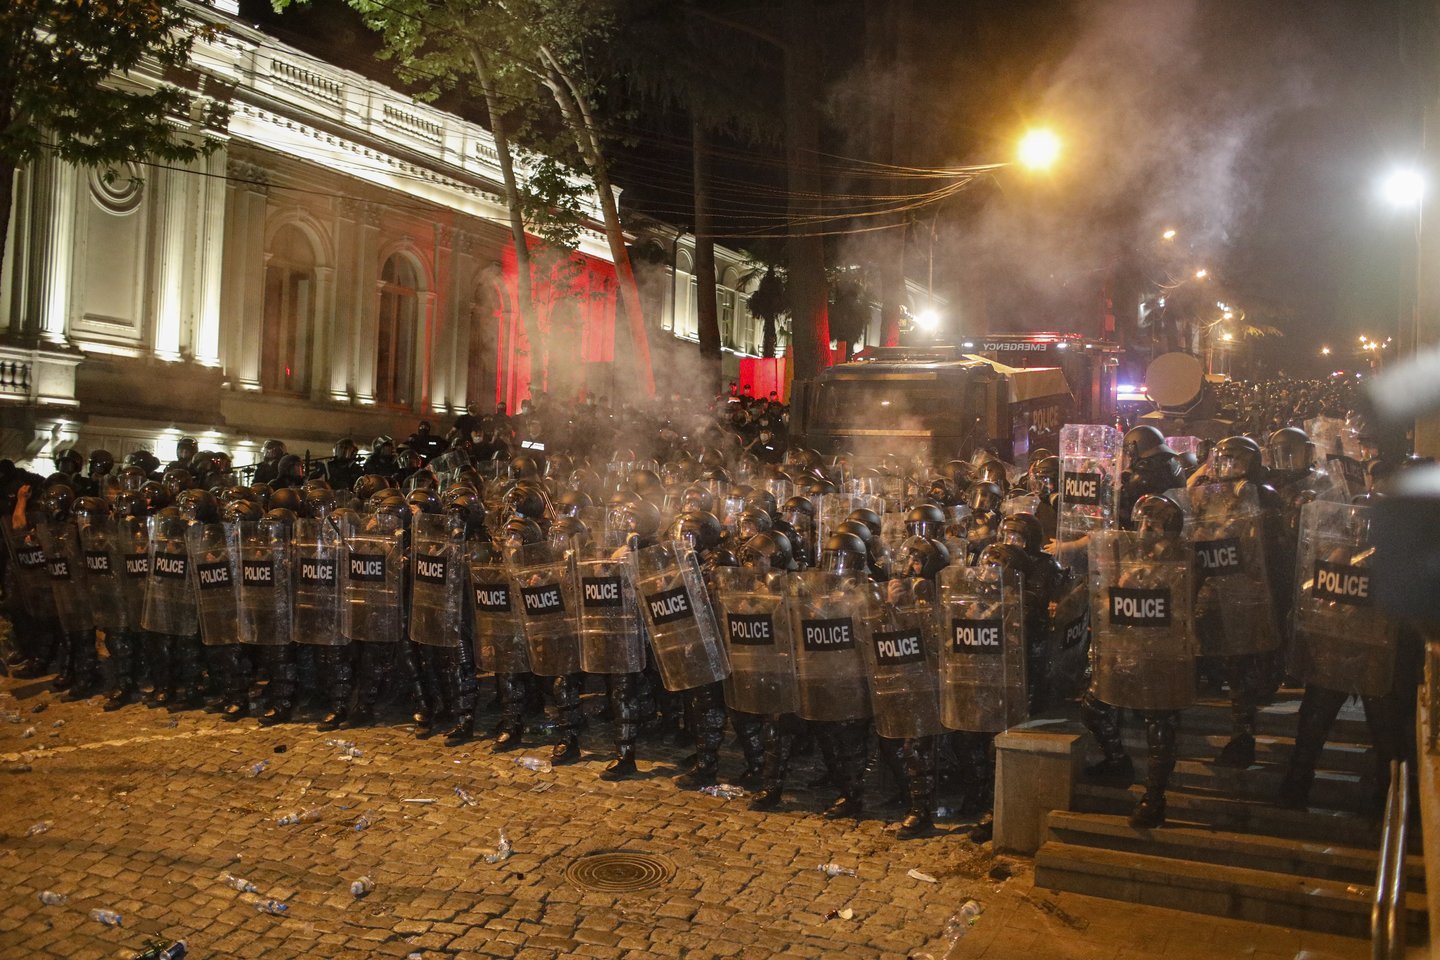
<point x="270" y="453"/>
<point x="1151" y="467"/>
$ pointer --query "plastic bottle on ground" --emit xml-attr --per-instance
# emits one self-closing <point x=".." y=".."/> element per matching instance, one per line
<point x="52" y="899"/>
<point x="534" y="763"/>
<point x="361" y="887"/>
<point x="303" y="816"/>
<point x="272" y="906"/>
<point x="240" y="884"/>
<point x="502" y="849"/>
<point x="835" y="870"/>
<point x="108" y="917"/>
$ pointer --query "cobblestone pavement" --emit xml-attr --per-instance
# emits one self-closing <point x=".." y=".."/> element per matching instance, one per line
<point x="149" y="810"/>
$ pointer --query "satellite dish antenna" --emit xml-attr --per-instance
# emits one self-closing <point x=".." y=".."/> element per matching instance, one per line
<point x="1175" y="381"/>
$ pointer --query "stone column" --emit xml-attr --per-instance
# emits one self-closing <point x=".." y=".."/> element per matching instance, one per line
<point x="244" y="282"/>
<point x="209" y="258"/>
<point x="426" y="345"/>
<point x="329" y="364"/>
<point x="51" y="251"/>
<point x="367" y="287"/>
<point x="346" y="301"/>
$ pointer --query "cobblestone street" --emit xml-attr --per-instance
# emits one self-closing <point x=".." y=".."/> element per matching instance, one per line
<point x="149" y="811"/>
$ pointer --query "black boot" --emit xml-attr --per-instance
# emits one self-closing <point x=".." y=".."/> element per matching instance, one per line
<point x="920" y="763"/>
<point x="1149" y="813"/>
<point x="622" y="767"/>
<point x="466" y="693"/>
<point x="1245" y="676"/>
<point x="1103" y="722"/>
<point x="279" y="702"/>
<point x="375" y="664"/>
<point x="707" y="710"/>
<point x="513" y="693"/>
<point x="121" y="647"/>
<point x="620" y="690"/>
<point x="1161" y="728"/>
<point x="1318" y="711"/>
<point x="779" y="737"/>
<point x="226" y="668"/>
<point x="567" y="702"/>
<point x="750" y="728"/>
<point x="849" y="739"/>
<point x="335" y="673"/>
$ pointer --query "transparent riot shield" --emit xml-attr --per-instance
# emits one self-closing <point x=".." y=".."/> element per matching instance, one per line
<point x="266" y="584"/>
<point x="892" y="530"/>
<point x="65" y="562"/>
<point x="610" y="640"/>
<point x="1348" y="472"/>
<point x="315" y="557"/>
<point x="1234" y="609"/>
<point x="832" y="509"/>
<point x="132" y="553"/>
<point x="1090" y="460"/>
<point x="678" y="616"/>
<point x="438" y="567"/>
<point x="31" y="573"/>
<point x="105" y="574"/>
<point x="827" y="620"/>
<point x="1067" y="653"/>
<point x="1143" y="643"/>
<point x="982" y="655"/>
<point x="1184" y="445"/>
<point x="372" y="578"/>
<point x="213" y="577"/>
<point x="169" y="598"/>
<point x="1021" y="502"/>
<point x="499" y="632"/>
<point x="750" y="609"/>
<point x="1344" y="642"/>
<point x="903" y="656"/>
<point x="545" y="588"/>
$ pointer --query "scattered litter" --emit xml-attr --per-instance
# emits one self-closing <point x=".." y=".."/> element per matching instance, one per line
<point x="835" y="870"/>
<point x="304" y="816"/>
<point x="108" y="917"/>
<point x="29" y="732"/>
<point x="347" y="748"/>
<point x="536" y="764"/>
<point x="945" y="813"/>
<point x="725" y="791"/>
<point x="502" y="849"/>
<point x="52" y="899"/>
<point x="39" y="708"/>
<point x="844" y="913"/>
<point x="272" y="906"/>
<point x="255" y="769"/>
<point x="417" y="955"/>
<point x="960" y="923"/>
<point x="38" y="828"/>
<point x="240" y="884"/>
<point x="58" y="724"/>
<point x="361" y="887"/>
<point x="361" y="822"/>
<point x="280" y="748"/>
<point x="465" y="799"/>
<point x="542" y="786"/>
<point x="161" y="950"/>
<point x="922" y="877"/>
<point x="417" y="800"/>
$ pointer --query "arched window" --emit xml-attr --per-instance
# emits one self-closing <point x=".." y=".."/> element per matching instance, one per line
<point x="395" y="336"/>
<point x="289" y="313"/>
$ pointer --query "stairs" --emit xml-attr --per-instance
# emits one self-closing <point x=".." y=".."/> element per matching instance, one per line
<point x="1226" y="849"/>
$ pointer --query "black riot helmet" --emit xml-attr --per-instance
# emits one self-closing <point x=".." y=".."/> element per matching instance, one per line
<point x="175" y="480"/>
<point x="716" y="473"/>
<point x="856" y="528"/>
<point x="88" y="510"/>
<point x="423" y="500"/>
<point x="143" y="459"/>
<point x="131" y="478"/>
<point x="1153" y="513"/>
<point x="641" y="518"/>
<point x="1001" y="556"/>
<point x="940" y="491"/>
<point x="290" y="470"/>
<point x="699" y="497"/>
<point x="1044" y="476"/>
<point x="272" y="450"/>
<point x="647" y="483"/>
<point x="984" y="497"/>
<point x="381" y="446"/>
<point x="921" y="557"/>
<point x="993" y="471"/>
<point x="263" y="492"/>
<point x="752" y="521"/>
<point x="282" y="517"/>
<point x="573" y="502"/>
<point x="528" y="465"/>
<point x="762" y="500"/>
<point x="130" y="505"/>
<point x="871" y="519"/>
<point x="766" y="552"/>
<point x="155" y="495"/>
<point x="368" y="485"/>
<point x="701" y="530"/>
<point x="464" y="514"/>
<point x="844" y="555"/>
<point x="925" y="520"/>
<point x="101" y="463"/>
<point x="186" y="448"/>
<point x="241" y="511"/>
<point x="1238" y="458"/>
<point x="570" y="534"/>
<point x="288" y="498"/>
<point x="233" y="493"/>
<point x="1291" y="450"/>
<point x="1024" y="531"/>
<point x="1142" y="441"/>
<point x="959" y="473"/>
<point x="198" y="506"/>
<point x="521" y="532"/>
<point x="525" y="499"/>
<point x="346" y="450"/>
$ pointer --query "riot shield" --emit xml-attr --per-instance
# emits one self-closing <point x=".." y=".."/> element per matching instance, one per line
<point x="315" y="553"/>
<point x="105" y="574"/>
<point x="610" y="640"/>
<point x="750" y="608"/>
<point x="372" y="583"/>
<point x="1142" y="636"/>
<point x="832" y="509"/>
<point x="1234" y="609"/>
<point x="678" y="616"/>
<point x="903" y="656"/>
<point x="438" y="566"/>
<point x="65" y="562"/>
<point x="1090" y="460"/>
<point x="31" y="573"/>
<point x="169" y="599"/>
<point x="213" y="577"/>
<point x="266" y="584"/>
<point x="1345" y="643"/>
<point x="1068" y="644"/>
<point x="132" y="553"/>
<point x="1021" y="502"/>
<point x="827" y="620"/>
<point x="1184" y="445"/>
<point x="982" y="655"/>
<point x="499" y="631"/>
<point x="545" y="588"/>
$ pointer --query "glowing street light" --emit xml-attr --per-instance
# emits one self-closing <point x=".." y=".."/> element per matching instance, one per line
<point x="1403" y="188"/>
<point x="1229" y="314"/>
<point x="1227" y="336"/>
<point x="927" y="319"/>
<point x="1169" y="234"/>
<point x="1039" y="149"/>
<point x="1201" y="274"/>
<point x="1324" y="351"/>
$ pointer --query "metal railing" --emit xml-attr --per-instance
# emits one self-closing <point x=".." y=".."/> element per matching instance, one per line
<point x="1387" y="914"/>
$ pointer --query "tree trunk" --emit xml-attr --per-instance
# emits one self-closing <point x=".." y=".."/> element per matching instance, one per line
<point x="810" y="321"/>
<point x="582" y="126"/>
<point x="768" y="338"/>
<point x="709" y="313"/>
<point x="524" y="280"/>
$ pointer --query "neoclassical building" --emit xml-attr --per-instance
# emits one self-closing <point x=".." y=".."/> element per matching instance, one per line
<point x="339" y="266"/>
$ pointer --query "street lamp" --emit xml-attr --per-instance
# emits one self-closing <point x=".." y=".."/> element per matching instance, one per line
<point x="1201" y="274"/>
<point x="1324" y="351"/>
<point x="1038" y="149"/>
<point x="1403" y="188"/>
<point x="1169" y="234"/>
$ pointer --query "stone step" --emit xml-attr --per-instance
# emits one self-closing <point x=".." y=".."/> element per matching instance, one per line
<point x="1341" y="756"/>
<point x="1260" y="782"/>
<point x="1304" y="903"/>
<point x="1183" y="841"/>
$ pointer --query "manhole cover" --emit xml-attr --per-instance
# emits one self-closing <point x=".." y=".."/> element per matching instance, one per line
<point x="619" y="872"/>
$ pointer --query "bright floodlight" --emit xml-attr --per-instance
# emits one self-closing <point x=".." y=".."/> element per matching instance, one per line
<point x="1403" y="188"/>
<point x="1201" y="274"/>
<point x="927" y="319"/>
<point x="1039" y="149"/>
<point x="1227" y="337"/>
<point x="1168" y="234"/>
<point x="1324" y="351"/>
